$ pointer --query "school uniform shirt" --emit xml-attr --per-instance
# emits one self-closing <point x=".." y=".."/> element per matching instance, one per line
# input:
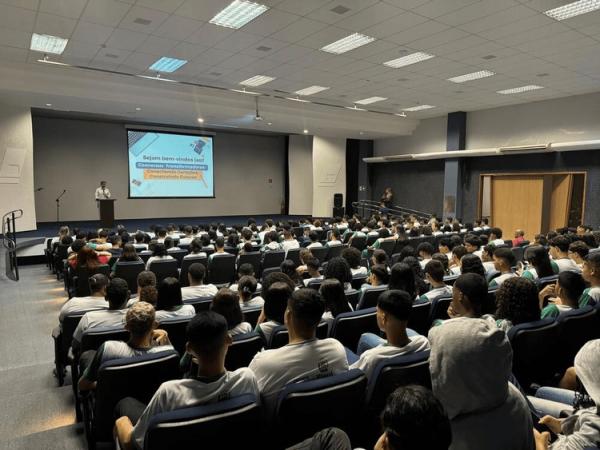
<point x="370" y="358"/>
<point x="271" y="246"/>
<point x="178" y="394"/>
<point x="241" y="328"/>
<point x="156" y="258"/>
<point x="590" y="296"/>
<point x="434" y="294"/>
<point x="309" y="280"/>
<point x="195" y="255"/>
<point x="489" y="266"/>
<point x="555" y="311"/>
<point x="335" y="243"/>
<point x="497" y="282"/>
<point x="253" y="303"/>
<point x="531" y="272"/>
<point x="359" y="271"/>
<point x="567" y="264"/>
<point x="266" y="328"/>
<point x="497" y="242"/>
<point x="291" y="363"/>
<point x="217" y="255"/>
<point x="110" y="318"/>
<point x="455" y="270"/>
<point x="315" y="245"/>
<point x="175" y="313"/>
<point x="424" y="262"/>
<point x="186" y="240"/>
<point x="78" y="305"/>
<point x="290" y="244"/>
<point x="203" y="290"/>
<point x="234" y="287"/>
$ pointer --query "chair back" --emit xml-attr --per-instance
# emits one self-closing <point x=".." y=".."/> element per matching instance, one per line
<point x="352" y="296"/>
<point x="358" y="281"/>
<point x="388" y="246"/>
<point x="185" y="267"/>
<point x="69" y="325"/>
<point x="176" y="329"/>
<point x="315" y="284"/>
<point x="518" y="253"/>
<point x="335" y="251"/>
<point x="251" y="258"/>
<point x="273" y="258"/>
<point x="199" y="303"/>
<point x="450" y="279"/>
<point x="320" y="253"/>
<point x="242" y="350"/>
<point x="93" y="338"/>
<point x="439" y="308"/>
<point x="400" y="244"/>
<point x="348" y="327"/>
<point x="419" y="318"/>
<point x="576" y="328"/>
<point x="371" y="238"/>
<point x="221" y="269"/>
<point x="370" y="296"/>
<point x="164" y="268"/>
<point x="178" y="255"/>
<point x="82" y="279"/>
<point x="545" y="281"/>
<point x="251" y="315"/>
<point x="129" y="271"/>
<point x="294" y="255"/>
<point x="266" y="272"/>
<point x="359" y="242"/>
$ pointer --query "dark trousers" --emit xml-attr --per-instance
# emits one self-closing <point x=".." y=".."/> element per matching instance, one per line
<point x="327" y="439"/>
<point x="130" y="407"/>
<point x="85" y="360"/>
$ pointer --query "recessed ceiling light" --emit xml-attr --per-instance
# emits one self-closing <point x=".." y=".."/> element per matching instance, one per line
<point x="138" y="109"/>
<point x="518" y="90"/>
<point x="46" y="43"/>
<point x="545" y="74"/>
<point x="418" y="108"/>
<point x="305" y="131"/>
<point x="472" y="76"/>
<point x="244" y="91"/>
<point x="311" y="90"/>
<point x="361" y="133"/>
<point x="296" y="99"/>
<point x="354" y="108"/>
<point x="340" y="9"/>
<point x="368" y="101"/>
<point x="407" y="60"/>
<point x="48" y="104"/>
<point x="165" y="64"/>
<point x="573" y="9"/>
<point x="348" y="43"/>
<point x="269" y="123"/>
<point x="401" y="114"/>
<point x="238" y="13"/>
<point x="257" y="80"/>
<point x="142" y="21"/>
<point x="157" y="77"/>
<point x="488" y="57"/>
<point x="200" y="120"/>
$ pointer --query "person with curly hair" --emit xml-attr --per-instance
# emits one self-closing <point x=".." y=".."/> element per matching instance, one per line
<point x="516" y="303"/>
<point x="471" y="263"/>
<point x="339" y="269"/>
<point x="352" y="256"/>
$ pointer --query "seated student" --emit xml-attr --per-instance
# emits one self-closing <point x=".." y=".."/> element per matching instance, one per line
<point x="129" y="255"/>
<point x="335" y="238"/>
<point x="458" y="252"/>
<point x="559" y="250"/>
<point x="473" y="244"/>
<point x="469" y="297"/>
<point x="434" y="275"/>
<point x="159" y="253"/>
<point x="578" y="250"/>
<point x="188" y="236"/>
<point x="271" y="242"/>
<point x="580" y="430"/>
<point x="425" y="251"/>
<point x="288" y="267"/>
<point x="227" y="303"/>
<point x="312" y="267"/>
<point x="393" y="311"/>
<point x="197" y="288"/>
<point x="352" y="256"/>
<point x="206" y="244"/>
<point x="333" y="295"/>
<point x="339" y="269"/>
<point x="516" y="303"/>
<point x="470" y="263"/>
<point x="314" y="240"/>
<point x="246" y="238"/>
<point x="148" y="294"/>
<point x="519" y="238"/>
<point x="378" y="277"/>
<point x="276" y="296"/>
<point x="289" y="241"/>
<point x="564" y="295"/>
<point x="305" y="357"/>
<point x="305" y="255"/>
<point x="402" y="278"/>
<point x="195" y="249"/>
<point x="591" y="274"/>
<point x="487" y="257"/>
<point x="539" y="263"/>
<point x="414" y="419"/>
<point x="139" y="242"/>
<point x="444" y="260"/>
<point x="219" y="249"/>
<point x="169" y="304"/>
<point x="207" y="341"/>
<point x="246" y="287"/>
<point x="485" y="410"/>
<point x="95" y="301"/>
<point x="496" y="237"/>
<point x="244" y="270"/>
<point x="143" y="338"/>
<point x="117" y="293"/>
<point x="379" y="258"/>
<point x="504" y="260"/>
<point x="445" y="247"/>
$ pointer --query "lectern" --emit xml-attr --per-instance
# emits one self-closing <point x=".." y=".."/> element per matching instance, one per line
<point x="107" y="212"/>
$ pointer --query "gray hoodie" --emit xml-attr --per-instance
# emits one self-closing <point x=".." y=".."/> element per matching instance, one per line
<point x="582" y="429"/>
<point x="470" y="364"/>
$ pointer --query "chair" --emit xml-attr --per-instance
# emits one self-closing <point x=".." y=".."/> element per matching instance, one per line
<point x="294" y="255"/>
<point x="242" y="350"/>
<point x="145" y="255"/>
<point x="176" y="329"/>
<point x="164" y="268"/>
<point x="352" y="297"/>
<point x="138" y="377"/>
<point x="307" y="407"/>
<point x="371" y="239"/>
<point x="315" y="284"/>
<point x="419" y="318"/>
<point x="388" y="246"/>
<point x="270" y="270"/>
<point x="62" y="344"/>
<point x="534" y="347"/>
<point x="491" y="275"/>
<point x="81" y="280"/>
<point x="335" y="251"/>
<point x="251" y="258"/>
<point x="221" y="269"/>
<point x="518" y="253"/>
<point x="320" y="253"/>
<point x="359" y="242"/>
<point x="233" y="423"/>
<point x="450" y="279"/>
<point x="400" y="244"/>
<point x="129" y="271"/>
<point x="273" y="258"/>
<point x="348" y="327"/>
<point x="545" y="281"/>
<point x="439" y="308"/>
<point x="178" y="255"/>
<point x="251" y="315"/>
<point x="370" y="296"/>
<point x="185" y="267"/>
<point x="199" y="303"/>
<point x="576" y="328"/>
<point x="280" y="337"/>
<point x="358" y="281"/>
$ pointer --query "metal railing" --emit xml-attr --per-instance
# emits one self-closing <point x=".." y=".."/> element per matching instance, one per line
<point x="368" y="207"/>
<point x="9" y="242"/>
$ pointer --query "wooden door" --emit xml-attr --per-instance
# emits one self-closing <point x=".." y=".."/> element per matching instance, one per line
<point x="560" y="201"/>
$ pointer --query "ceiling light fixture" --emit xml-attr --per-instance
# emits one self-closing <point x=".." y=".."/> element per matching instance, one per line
<point x="407" y="60"/>
<point x="269" y="123"/>
<point x="46" y="43"/>
<point x="518" y="90"/>
<point x="401" y="114"/>
<point x="573" y="9"/>
<point x="368" y="101"/>
<point x="311" y="90"/>
<point x="46" y="60"/>
<point x="257" y="80"/>
<point x="200" y="120"/>
<point x="418" y="108"/>
<point x="238" y="13"/>
<point x="472" y="76"/>
<point x="157" y="77"/>
<point x="168" y="65"/>
<point x="296" y="99"/>
<point x="138" y="109"/>
<point x="244" y="91"/>
<point x="354" y="108"/>
<point x="48" y="104"/>
<point x="305" y="131"/>
<point x="348" y="43"/>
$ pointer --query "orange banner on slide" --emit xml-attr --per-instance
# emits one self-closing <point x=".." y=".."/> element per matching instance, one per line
<point x="166" y="174"/>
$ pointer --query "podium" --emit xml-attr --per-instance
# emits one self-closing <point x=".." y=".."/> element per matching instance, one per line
<point x="107" y="212"/>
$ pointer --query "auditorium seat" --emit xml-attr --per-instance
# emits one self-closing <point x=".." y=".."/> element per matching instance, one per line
<point x="335" y="251"/>
<point x="251" y="315"/>
<point x="370" y="297"/>
<point x="221" y="270"/>
<point x="388" y="246"/>
<point x="371" y="239"/>
<point x="439" y="309"/>
<point x="348" y="327"/>
<point x="352" y="297"/>
<point x="185" y="266"/>
<point x="242" y="350"/>
<point x="545" y="281"/>
<point x="81" y="280"/>
<point x="176" y="329"/>
<point x="178" y="255"/>
<point x="129" y="271"/>
<point x="294" y="255"/>
<point x="419" y="319"/>
<point x="358" y="281"/>
<point x="62" y="344"/>
<point x="164" y="268"/>
<point x="252" y="258"/>
<point x="280" y="337"/>
<point x="266" y="272"/>
<point x="576" y="328"/>
<point x="273" y="259"/>
<point x="314" y="284"/>
<point x="518" y="253"/>
<point x="199" y="303"/>
<point x="450" y="279"/>
<point x="320" y="253"/>
<point x="359" y="242"/>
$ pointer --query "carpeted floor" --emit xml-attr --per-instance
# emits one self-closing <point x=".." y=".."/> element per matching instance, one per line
<point x="35" y="413"/>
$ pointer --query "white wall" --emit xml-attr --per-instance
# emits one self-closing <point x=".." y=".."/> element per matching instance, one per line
<point x="16" y="165"/>
<point x="300" y="164"/>
<point x="329" y="173"/>
<point x="429" y="136"/>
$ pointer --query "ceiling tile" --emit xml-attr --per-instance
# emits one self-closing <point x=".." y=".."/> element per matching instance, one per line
<point x="290" y="53"/>
<point x="300" y="8"/>
<point x="65" y="8"/>
<point x="138" y="17"/>
<point x="215" y="56"/>
<point x="157" y="45"/>
<point x="324" y="37"/>
<point x="201" y="10"/>
<point x="54" y="25"/>
<point x="185" y="50"/>
<point x="270" y="22"/>
<point x="237" y="41"/>
<point x="27" y="4"/>
<point x="105" y="12"/>
<point x="421" y="31"/>
<point x="237" y="61"/>
<point x="169" y="6"/>
<point x="13" y="54"/>
<point x="177" y="27"/>
<point x="299" y="30"/>
<point x="137" y="62"/>
<point x="475" y="11"/>
<point x="126" y="39"/>
<point x="17" y="18"/>
<point x="112" y="55"/>
<point x="434" y="40"/>
<point x="436" y="8"/>
<point x="391" y="26"/>
<point x="369" y="17"/>
<point x="80" y="52"/>
<point x="264" y="48"/>
<point x="91" y="33"/>
<point x="326" y="15"/>
<point x="209" y="35"/>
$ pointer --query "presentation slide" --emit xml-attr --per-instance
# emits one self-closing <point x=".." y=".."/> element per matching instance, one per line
<point x="169" y="165"/>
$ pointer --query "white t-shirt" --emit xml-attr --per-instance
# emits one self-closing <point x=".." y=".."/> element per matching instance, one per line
<point x="203" y="290"/>
<point x="94" y="319"/>
<point x="175" y="313"/>
<point x="241" y="328"/>
<point x="156" y="258"/>
<point x="315" y="245"/>
<point x="307" y="360"/>
<point x="309" y="280"/>
<point x="288" y="245"/>
<point x="178" y="394"/>
<point x="78" y="305"/>
<point x="333" y="243"/>
<point x="359" y="271"/>
<point x="266" y="328"/>
<point x="195" y="255"/>
<point x="424" y="262"/>
<point x="102" y="194"/>
<point x="497" y="282"/>
<point x="370" y="358"/>
<point x="567" y="264"/>
<point x="497" y="242"/>
<point x="253" y="303"/>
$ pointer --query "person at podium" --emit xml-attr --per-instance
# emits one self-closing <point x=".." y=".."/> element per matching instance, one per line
<point x="102" y="192"/>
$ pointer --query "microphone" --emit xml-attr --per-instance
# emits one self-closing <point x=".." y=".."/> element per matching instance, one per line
<point x="39" y="189"/>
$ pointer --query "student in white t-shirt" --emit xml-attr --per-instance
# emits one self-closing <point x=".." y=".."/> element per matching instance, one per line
<point x="169" y="304"/>
<point x="504" y="260"/>
<point x="352" y="256"/>
<point x="276" y="296"/>
<point x="196" y="249"/>
<point x="434" y="275"/>
<point x="207" y="342"/>
<point x="314" y="240"/>
<point x="425" y="250"/>
<point x="246" y="287"/>
<point x="289" y="241"/>
<point x="333" y="295"/>
<point x="227" y="303"/>
<point x="393" y="311"/>
<point x="312" y="267"/>
<point x="305" y="357"/>
<point x="559" y="251"/>
<point x="197" y="288"/>
<point x="496" y="237"/>
<point x="95" y="301"/>
<point x="158" y="254"/>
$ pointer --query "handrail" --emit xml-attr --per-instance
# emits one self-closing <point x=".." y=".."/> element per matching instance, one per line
<point x="9" y="242"/>
<point x="395" y="210"/>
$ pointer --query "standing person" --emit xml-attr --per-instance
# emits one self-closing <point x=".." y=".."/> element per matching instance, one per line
<point x="102" y="192"/>
<point x="387" y="199"/>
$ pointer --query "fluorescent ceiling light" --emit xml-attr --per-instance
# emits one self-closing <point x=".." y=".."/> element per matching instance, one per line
<point x="48" y="44"/>
<point x="296" y="99"/>
<point x="573" y="9"/>
<point x="257" y="80"/>
<point x="165" y="64"/>
<point x="238" y="14"/>
<point x="368" y="101"/>
<point x="407" y="60"/>
<point x="311" y="90"/>
<point x="244" y="91"/>
<point x="471" y="76"/>
<point x="348" y="43"/>
<point x="354" y="108"/>
<point x="402" y="114"/>
<point x="418" y="108"/>
<point x="157" y="77"/>
<point x="518" y="90"/>
<point x="56" y="63"/>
